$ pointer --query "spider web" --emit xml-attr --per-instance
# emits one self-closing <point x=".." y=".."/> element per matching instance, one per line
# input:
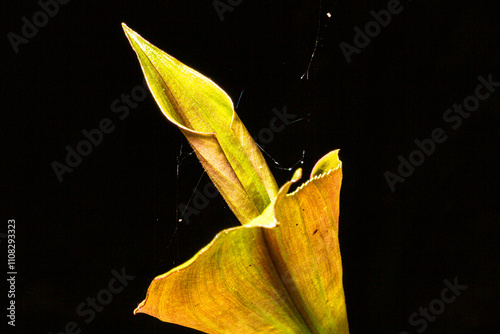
<point x="185" y="153"/>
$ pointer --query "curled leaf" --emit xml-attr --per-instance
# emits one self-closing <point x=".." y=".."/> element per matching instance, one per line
<point x="281" y="273"/>
<point x="205" y="115"/>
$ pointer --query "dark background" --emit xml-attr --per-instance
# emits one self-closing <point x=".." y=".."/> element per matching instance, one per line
<point x="117" y="209"/>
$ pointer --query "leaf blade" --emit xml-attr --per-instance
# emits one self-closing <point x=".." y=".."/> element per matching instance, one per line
<point x="295" y="277"/>
<point x="305" y="249"/>
<point x="205" y="115"/>
<point x="228" y="287"/>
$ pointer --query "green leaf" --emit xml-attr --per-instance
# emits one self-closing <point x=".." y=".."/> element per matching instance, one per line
<point x="205" y="115"/>
<point x="281" y="273"/>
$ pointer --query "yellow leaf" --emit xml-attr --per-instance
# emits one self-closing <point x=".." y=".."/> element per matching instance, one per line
<point x="305" y="247"/>
<point x="281" y="273"/>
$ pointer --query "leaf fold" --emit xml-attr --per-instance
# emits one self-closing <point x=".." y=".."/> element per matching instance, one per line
<point x="281" y="273"/>
<point x="205" y="115"/>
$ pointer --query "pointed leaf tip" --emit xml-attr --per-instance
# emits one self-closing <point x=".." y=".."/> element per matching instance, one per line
<point x="205" y="115"/>
<point x="127" y="30"/>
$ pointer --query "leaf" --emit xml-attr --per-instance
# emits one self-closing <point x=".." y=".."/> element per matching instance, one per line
<point x="205" y="115"/>
<point x="281" y="273"/>
<point x="305" y="247"/>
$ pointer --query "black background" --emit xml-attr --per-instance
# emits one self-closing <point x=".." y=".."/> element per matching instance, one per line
<point x="117" y="209"/>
